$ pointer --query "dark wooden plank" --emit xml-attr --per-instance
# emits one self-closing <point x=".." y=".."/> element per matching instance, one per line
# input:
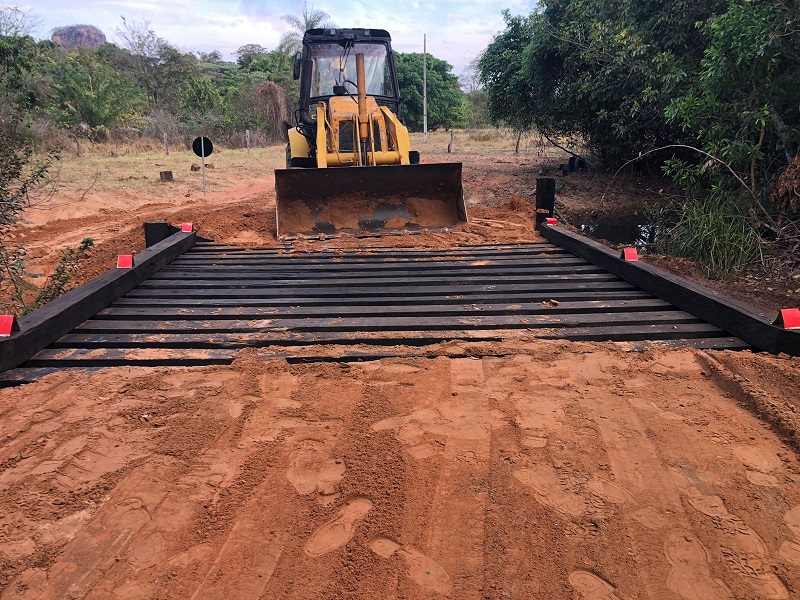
<point x="548" y="287"/>
<point x="45" y="325"/>
<point x="330" y="258"/>
<point x="408" y="338"/>
<point x="388" y="300"/>
<point x="252" y="276"/>
<point x="241" y="312"/>
<point x="379" y="266"/>
<point x="388" y="323"/>
<point x="701" y="343"/>
<point x="384" y="251"/>
<point x="289" y="249"/>
<point x="381" y="282"/>
<point x="22" y="375"/>
<point x="119" y="357"/>
<point x="745" y="322"/>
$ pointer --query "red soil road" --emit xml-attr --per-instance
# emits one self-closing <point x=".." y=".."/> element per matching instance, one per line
<point x="566" y="471"/>
<point x="561" y="471"/>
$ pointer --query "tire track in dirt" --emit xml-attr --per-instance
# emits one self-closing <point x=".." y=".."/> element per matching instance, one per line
<point x="459" y="500"/>
<point x="568" y="474"/>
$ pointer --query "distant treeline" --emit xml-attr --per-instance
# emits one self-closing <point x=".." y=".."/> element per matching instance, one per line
<point x="146" y="87"/>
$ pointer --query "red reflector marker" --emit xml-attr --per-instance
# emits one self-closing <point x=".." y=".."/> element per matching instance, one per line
<point x="630" y="254"/>
<point x="789" y="318"/>
<point x="551" y="221"/>
<point x="125" y="261"/>
<point x="8" y="325"/>
<point x="186" y="227"/>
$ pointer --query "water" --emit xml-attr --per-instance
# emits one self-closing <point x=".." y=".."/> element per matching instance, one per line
<point x="619" y="230"/>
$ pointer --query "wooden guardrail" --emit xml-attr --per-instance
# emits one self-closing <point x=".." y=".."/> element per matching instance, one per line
<point x="45" y="325"/>
<point x="745" y="322"/>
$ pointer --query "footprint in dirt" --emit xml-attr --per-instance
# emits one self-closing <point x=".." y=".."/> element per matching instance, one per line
<point x="790" y="550"/>
<point x="690" y="576"/>
<point x="422" y="569"/>
<point x="590" y="586"/>
<point x="339" y="530"/>
<point x="760" y="463"/>
<point x="548" y="490"/>
<point x="743" y="550"/>
<point x="311" y="470"/>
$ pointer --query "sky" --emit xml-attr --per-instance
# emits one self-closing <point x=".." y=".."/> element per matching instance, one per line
<point x="457" y="31"/>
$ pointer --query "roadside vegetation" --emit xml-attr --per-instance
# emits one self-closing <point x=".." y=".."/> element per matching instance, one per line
<point x="704" y="92"/>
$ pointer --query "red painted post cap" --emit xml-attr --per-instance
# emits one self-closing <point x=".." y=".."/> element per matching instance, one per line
<point x="789" y="318"/>
<point x="125" y="261"/>
<point x="630" y="254"/>
<point x="8" y="325"/>
<point x="551" y="221"/>
<point x="186" y="227"/>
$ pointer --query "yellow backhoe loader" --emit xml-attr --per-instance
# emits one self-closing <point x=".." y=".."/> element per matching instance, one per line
<point x="349" y="163"/>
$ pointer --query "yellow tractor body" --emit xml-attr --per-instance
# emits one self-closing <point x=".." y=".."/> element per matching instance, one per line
<point x="350" y="166"/>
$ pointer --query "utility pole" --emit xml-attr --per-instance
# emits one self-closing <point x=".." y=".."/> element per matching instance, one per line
<point x="425" y="87"/>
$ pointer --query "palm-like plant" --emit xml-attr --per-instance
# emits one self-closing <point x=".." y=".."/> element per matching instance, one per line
<point x="292" y="41"/>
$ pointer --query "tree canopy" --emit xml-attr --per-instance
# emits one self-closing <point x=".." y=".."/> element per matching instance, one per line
<point x="447" y="105"/>
<point x="292" y="41"/>
<point x="711" y="80"/>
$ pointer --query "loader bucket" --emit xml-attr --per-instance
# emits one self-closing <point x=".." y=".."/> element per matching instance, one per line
<point x="374" y="199"/>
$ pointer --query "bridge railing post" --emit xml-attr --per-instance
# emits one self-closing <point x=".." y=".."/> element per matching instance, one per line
<point x="545" y="199"/>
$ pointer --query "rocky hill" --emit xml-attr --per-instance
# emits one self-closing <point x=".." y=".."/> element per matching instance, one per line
<point x="70" y="36"/>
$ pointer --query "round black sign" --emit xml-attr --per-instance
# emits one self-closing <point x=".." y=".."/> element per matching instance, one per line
<point x="200" y="144"/>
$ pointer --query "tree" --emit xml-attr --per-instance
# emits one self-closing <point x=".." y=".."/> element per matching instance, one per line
<point x="292" y="41"/>
<point x="213" y="57"/>
<point x="742" y="107"/>
<point x="446" y="103"/>
<point x="602" y="71"/>
<point x="502" y="70"/>
<point x="202" y="95"/>
<point x="21" y="170"/>
<point x="245" y="54"/>
<point x="160" y="68"/>
<point x="16" y="22"/>
<point x="91" y="91"/>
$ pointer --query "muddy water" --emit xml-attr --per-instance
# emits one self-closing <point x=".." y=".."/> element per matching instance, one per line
<point x="572" y="470"/>
<point x="629" y="230"/>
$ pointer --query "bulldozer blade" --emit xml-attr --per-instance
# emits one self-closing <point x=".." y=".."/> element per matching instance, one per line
<point x="352" y="199"/>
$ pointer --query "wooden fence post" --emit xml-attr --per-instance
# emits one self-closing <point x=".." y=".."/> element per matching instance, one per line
<point x="166" y="144"/>
<point x="247" y="139"/>
<point x="545" y="199"/>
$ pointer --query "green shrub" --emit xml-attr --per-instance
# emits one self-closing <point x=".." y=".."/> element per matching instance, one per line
<point x="715" y="233"/>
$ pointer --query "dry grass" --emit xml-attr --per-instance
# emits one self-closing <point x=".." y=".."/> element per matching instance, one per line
<point x="478" y="142"/>
<point x="135" y="166"/>
<point x="104" y="168"/>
